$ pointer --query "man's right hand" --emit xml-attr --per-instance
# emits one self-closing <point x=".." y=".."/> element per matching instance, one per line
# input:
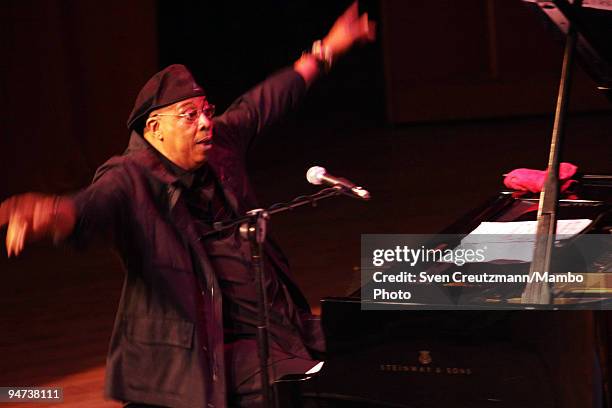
<point x="33" y="216"/>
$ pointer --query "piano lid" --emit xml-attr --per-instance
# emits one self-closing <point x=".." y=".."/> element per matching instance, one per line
<point x="593" y="22"/>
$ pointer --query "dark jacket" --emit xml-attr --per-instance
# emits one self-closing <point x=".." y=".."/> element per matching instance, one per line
<point x="164" y="350"/>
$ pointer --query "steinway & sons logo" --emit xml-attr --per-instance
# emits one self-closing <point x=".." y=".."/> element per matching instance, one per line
<point x="425" y="366"/>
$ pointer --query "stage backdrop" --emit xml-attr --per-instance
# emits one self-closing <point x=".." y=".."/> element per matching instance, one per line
<point x="472" y="59"/>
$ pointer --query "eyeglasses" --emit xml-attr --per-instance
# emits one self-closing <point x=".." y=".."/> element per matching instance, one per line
<point x="192" y="115"/>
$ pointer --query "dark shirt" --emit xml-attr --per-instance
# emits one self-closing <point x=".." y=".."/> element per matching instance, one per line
<point x="229" y="254"/>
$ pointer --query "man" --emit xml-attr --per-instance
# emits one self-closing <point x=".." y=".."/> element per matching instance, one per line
<point x="185" y="326"/>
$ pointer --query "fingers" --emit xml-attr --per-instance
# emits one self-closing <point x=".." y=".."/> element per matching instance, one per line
<point x="16" y="235"/>
<point x="21" y="238"/>
<point x="367" y="28"/>
<point x="28" y="216"/>
<point x="363" y="23"/>
<point x="350" y="29"/>
<point x="350" y="16"/>
<point x="351" y="13"/>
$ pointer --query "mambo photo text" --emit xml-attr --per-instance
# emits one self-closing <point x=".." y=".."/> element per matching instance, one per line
<point x="457" y="256"/>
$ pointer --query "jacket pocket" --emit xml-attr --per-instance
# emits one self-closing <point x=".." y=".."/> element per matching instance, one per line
<point x="172" y="332"/>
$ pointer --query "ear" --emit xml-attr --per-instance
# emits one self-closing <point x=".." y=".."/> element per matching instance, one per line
<point x="151" y="125"/>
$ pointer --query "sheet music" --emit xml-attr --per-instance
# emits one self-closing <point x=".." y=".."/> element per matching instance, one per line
<point x="515" y="240"/>
<point x="564" y="227"/>
<point x="598" y="4"/>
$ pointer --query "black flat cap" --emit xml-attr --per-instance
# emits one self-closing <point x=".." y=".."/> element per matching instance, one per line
<point x="168" y="86"/>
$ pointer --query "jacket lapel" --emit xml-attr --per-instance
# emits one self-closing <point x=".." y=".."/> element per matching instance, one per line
<point x="228" y="191"/>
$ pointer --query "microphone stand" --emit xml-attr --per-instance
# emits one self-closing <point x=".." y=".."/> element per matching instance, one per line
<point x="253" y="227"/>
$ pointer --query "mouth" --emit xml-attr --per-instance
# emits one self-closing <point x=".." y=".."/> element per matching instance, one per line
<point x="207" y="141"/>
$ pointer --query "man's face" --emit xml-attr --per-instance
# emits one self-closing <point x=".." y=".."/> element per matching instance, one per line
<point x="185" y="140"/>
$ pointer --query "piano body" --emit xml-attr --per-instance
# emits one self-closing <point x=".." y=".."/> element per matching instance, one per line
<point x="471" y="358"/>
<point x="478" y="358"/>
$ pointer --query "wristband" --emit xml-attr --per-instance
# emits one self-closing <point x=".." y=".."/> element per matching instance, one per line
<point x="322" y="54"/>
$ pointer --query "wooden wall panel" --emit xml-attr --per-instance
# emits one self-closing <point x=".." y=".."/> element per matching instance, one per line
<point x="449" y="60"/>
<point x="70" y="73"/>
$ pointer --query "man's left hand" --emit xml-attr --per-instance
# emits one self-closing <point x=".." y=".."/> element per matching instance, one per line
<point x="349" y="29"/>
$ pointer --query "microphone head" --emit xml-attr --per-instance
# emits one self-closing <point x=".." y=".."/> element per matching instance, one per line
<point x="314" y="174"/>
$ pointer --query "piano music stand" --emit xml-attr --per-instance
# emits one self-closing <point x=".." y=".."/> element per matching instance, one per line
<point x="595" y="58"/>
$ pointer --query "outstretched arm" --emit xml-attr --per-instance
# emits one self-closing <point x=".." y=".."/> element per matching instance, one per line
<point x="33" y="216"/>
<point x="349" y="29"/>
<point x="91" y="212"/>
<point x="272" y="99"/>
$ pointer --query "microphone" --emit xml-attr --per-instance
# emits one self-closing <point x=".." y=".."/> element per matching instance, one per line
<point x="318" y="175"/>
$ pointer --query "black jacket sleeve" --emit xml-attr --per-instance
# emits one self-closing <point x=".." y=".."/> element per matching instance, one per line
<point x="101" y="207"/>
<point x="260" y="108"/>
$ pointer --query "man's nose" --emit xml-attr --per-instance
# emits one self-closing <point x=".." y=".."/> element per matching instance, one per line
<point x="204" y="122"/>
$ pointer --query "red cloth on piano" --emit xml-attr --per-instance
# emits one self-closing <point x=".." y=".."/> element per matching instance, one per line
<point x="533" y="180"/>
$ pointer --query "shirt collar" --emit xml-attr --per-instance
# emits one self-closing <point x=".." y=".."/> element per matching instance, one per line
<point x="184" y="177"/>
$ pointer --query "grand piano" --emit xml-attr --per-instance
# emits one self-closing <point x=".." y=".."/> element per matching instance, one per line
<point x="555" y="356"/>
